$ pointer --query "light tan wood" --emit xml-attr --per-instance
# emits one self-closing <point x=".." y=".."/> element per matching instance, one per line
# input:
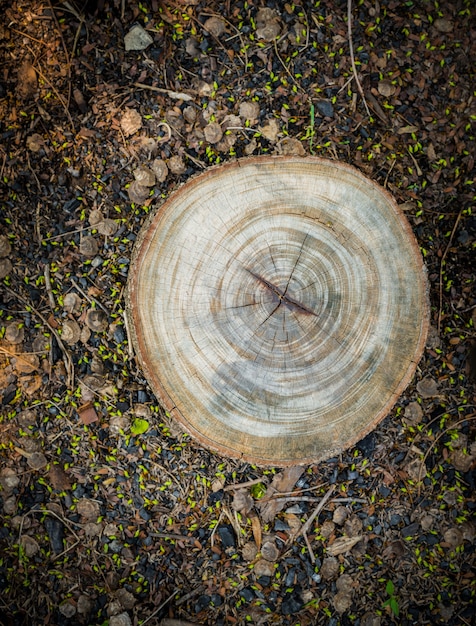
<point x="278" y="307"/>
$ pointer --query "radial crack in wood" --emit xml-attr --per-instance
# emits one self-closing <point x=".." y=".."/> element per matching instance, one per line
<point x="278" y="307"/>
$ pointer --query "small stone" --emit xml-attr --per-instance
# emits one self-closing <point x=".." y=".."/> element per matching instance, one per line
<point x="14" y="332"/>
<point x="443" y="25"/>
<point x="5" y="268"/>
<point x="126" y="599"/>
<point x="263" y="568"/>
<point x="215" y="26"/>
<point x="291" y="604"/>
<point x="340" y="515"/>
<point x="269" y="551"/>
<point x="249" y="551"/>
<point x="249" y="110"/>
<point x="385" y="88"/>
<point x="122" y="619"/>
<point x="26" y="418"/>
<point x="70" y="332"/>
<point x="213" y="132"/>
<point x="176" y="165"/>
<point x="72" y="303"/>
<point x="10" y="505"/>
<point x="30" y="546"/>
<point x="144" y="176"/>
<point x="138" y="193"/>
<point x="5" y="247"/>
<point x="327" y="528"/>
<point x="67" y="609"/>
<point x="88" y="246"/>
<point x="160" y="169"/>
<point x="267" y="23"/>
<point x="330" y="568"/>
<point x="325" y="108"/>
<point x="427" y="388"/>
<point x="453" y="537"/>
<point x="137" y="39"/>
<point x="88" y="509"/>
<point x="84" y="605"/>
<point x="37" y="461"/>
<point x="413" y="413"/>
<point x="96" y="320"/>
<point x="342" y="601"/>
<point x="291" y="146"/>
<point x="9" y="479"/>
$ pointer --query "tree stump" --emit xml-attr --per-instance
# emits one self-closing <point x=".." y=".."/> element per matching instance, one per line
<point x="278" y="307"/>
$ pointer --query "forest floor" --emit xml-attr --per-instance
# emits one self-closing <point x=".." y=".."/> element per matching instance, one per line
<point x="109" y="513"/>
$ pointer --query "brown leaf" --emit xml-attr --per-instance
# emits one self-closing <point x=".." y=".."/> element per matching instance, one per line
<point x="256" y="528"/>
<point x="242" y="502"/>
<point x="59" y="479"/>
<point x="342" y="545"/>
<point x="281" y="483"/>
<point x="87" y="413"/>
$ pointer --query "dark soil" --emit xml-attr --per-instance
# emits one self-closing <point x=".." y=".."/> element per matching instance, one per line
<point x="109" y="514"/>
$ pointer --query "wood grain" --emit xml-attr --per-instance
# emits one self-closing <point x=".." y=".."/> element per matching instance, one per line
<point x="278" y="307"/>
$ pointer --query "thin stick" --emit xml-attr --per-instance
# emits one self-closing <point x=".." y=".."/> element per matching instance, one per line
<point x="248" y="483"/>
<point x="91" y="300"/>
<point x="49" y="291"/>
<point x="305" y="527"/>
<point x="442" y="264"/>
<point x="351" y="49"/>
<point x="66" y="357"/>
<point x="160" y="607"/>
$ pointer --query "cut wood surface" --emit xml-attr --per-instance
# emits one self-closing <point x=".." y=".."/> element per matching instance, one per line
<point x="278" y="307"/>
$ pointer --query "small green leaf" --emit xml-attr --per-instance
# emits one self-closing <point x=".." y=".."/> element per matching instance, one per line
<point x="139" y="426"/>
<point x="390" y="589"/>
<point x="394" y="607"/>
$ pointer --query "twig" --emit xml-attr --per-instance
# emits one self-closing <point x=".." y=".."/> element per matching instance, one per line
<point x="172" y="536"/>
<point x="444" y="432"/>
<point x="248" y="483"/>
<point x="351" y="49"/>
<point x="305" y="527"/>
<point x="442" y="264"/>
<point x="49" y="290"/>
<point x="68" y="61"/>
<point x="66" y="357"/>
<point x="88" y="298"/>
<point x="175" y="95"/>
<point x="161" y="606"/>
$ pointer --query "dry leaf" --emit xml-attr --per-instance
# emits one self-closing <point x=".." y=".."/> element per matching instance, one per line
<point x="342" y="545"/>
<point x="242" y="502"/>
<point x="427" y="388"/>
<point x="281" y="483"/>
<point x="256" y="529"/>
<point x="59" y="479"/>
<point x="87" y="413"/>
<point x="131" y="122"/>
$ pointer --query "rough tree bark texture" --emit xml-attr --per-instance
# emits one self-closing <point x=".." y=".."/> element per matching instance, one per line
<point x="278" y="307"/>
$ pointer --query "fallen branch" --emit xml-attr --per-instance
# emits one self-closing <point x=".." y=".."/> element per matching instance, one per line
<point x="351" y="49"/>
